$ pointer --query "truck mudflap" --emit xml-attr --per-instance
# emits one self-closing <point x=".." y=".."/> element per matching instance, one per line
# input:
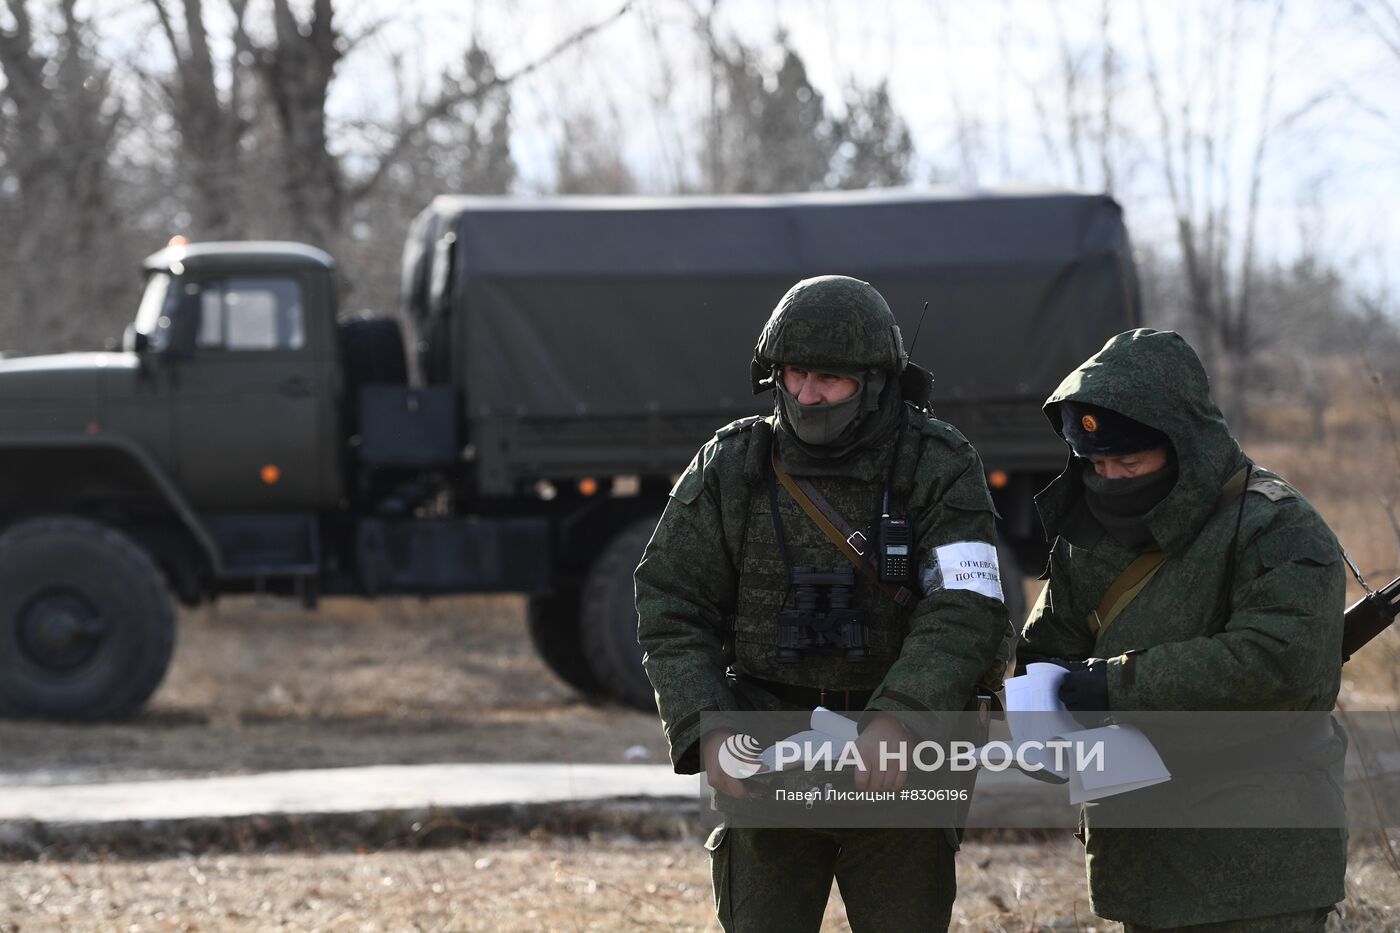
<point x="453" y="555"/>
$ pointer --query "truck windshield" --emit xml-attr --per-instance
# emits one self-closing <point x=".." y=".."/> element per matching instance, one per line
<point x="151" y="317"/>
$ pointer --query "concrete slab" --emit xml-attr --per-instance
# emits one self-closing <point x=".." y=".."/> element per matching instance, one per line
<point x="341" y="790"/>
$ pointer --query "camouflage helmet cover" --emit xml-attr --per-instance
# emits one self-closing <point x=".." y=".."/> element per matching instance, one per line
<point x="830" y="323"/>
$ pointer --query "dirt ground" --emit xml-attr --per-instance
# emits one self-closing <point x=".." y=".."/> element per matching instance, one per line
<point x="402" y="681"/>
<point x="523" y="884"/>
<point x="544" y="883"/>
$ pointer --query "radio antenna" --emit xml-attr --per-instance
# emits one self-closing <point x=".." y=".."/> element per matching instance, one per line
<point x="918" y="328"/>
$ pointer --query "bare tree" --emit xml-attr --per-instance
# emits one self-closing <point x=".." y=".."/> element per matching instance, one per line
<point x="296" y="63"/>
<point x="589" y="160"/>
<point x="297" y="69"/>
<point x="468" y="151"/>
<point x="211" y="120"/>
<point x="876" y="148"/>
<point x="769" y="129"/>
<point x="1383" y="19"/>
<point x="1195" y="137"/>
<point x="58" y="140"/>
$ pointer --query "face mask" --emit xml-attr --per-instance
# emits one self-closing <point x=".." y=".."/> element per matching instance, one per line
<point x="820" y="425"/>
<point x="1136" y="495"/>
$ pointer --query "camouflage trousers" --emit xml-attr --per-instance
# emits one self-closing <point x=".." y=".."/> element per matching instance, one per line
<point x="780" y="879"/>
<point x="1298" y="921"/>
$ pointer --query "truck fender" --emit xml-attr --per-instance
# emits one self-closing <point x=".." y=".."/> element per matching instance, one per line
<point x="146" y="466"/>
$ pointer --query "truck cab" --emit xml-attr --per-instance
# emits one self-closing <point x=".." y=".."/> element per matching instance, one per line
<point x="238" y="344"/>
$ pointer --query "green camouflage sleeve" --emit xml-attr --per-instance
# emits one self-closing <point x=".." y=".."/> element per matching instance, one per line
<point x="960" y="622"/>
<point x="1282" y="646"/>
<point x="1052" y="630"/>
<point x="686" y="590"/>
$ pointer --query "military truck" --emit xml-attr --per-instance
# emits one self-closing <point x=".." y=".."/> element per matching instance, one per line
<point x="514" y="428"/>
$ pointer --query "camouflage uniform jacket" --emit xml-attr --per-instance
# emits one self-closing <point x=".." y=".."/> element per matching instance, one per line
<point x="700" y="569"/>
<point x="1268" y="637"/>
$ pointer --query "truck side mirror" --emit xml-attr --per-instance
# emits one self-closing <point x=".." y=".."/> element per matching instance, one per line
<point x="134" y="341"/>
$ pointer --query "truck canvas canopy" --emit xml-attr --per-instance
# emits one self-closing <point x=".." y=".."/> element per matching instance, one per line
<point x="614" y="306"/>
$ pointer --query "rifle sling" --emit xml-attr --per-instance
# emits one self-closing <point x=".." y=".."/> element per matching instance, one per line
<point x="1140" y="572"/>
<point x="836" y="529"/>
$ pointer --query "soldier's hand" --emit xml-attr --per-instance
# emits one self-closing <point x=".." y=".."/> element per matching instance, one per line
<point x="883" y="733"/>
<point x="1084" y="692"/>
<point x="719" y="780"/>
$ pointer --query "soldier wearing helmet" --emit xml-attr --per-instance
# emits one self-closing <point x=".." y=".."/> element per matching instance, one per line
<point x="850" y="418"/>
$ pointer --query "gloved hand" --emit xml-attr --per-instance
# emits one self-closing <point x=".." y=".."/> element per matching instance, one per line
<point x="1084" y="691"/>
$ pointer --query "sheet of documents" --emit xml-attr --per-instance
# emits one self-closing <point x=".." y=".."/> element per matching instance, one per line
<point x="825" y="741"/>
<point x="1035" y="714"/>
<point x="1131" y="763"/>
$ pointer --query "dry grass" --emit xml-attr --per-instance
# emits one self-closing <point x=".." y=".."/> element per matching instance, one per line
<point x="1352" y="475"/>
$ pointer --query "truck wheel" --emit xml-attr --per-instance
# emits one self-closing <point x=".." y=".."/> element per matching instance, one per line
<point x="610" y="618"/>
<point x="86" y="625"/>
<point x="553" y="621"/>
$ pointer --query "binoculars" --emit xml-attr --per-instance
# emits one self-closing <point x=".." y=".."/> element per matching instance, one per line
<point x="822" y="618"/>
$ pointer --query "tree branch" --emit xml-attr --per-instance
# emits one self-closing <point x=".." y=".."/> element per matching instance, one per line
<point x="1256" y="182"/>
<point x="167" y="27"/>
<point x="451" y="98"/>
<point x="1391" y="42"/>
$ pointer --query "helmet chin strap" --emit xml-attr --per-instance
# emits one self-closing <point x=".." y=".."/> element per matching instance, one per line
<point x="873" y="385"/>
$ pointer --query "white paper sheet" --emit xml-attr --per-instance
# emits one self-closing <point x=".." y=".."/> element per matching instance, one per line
<point x="825" y="741"/>
<point x="1035" y="714"/>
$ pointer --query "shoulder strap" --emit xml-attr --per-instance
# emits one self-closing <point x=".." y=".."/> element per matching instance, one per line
<point x="756" y="459"/>
<point x="1234" y="487"/>
<point x="1137" y="574"/>
<point x="1273" y="488"/>
<point x="904" y="466"/>
<point x="850" y="543"/>
<point x="1121" y="592"/>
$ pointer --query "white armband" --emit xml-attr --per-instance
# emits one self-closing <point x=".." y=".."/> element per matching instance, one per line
<point x="963" y="565"/>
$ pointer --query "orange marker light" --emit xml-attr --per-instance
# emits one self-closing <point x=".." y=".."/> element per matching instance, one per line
<point x="271" y="474"/>
<point x="588" y="485"/>
<point x="179" y="239"/>
<point x="997" y="479"/>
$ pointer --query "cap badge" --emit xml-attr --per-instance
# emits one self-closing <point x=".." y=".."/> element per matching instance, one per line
<point x="1090" y="423"/>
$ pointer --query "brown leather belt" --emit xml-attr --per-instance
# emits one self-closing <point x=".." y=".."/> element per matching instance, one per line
<point x="812" y="697"/>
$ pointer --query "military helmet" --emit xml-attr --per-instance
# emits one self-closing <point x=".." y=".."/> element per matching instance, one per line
<point x="830" y="323"/>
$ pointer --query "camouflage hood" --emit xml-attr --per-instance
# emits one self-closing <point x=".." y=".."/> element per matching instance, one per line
<point x="1156" y="378"/>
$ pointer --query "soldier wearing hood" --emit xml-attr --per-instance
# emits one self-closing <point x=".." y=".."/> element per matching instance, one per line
<point x="850" y="417"/>
<point x="1241" y="609"/>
